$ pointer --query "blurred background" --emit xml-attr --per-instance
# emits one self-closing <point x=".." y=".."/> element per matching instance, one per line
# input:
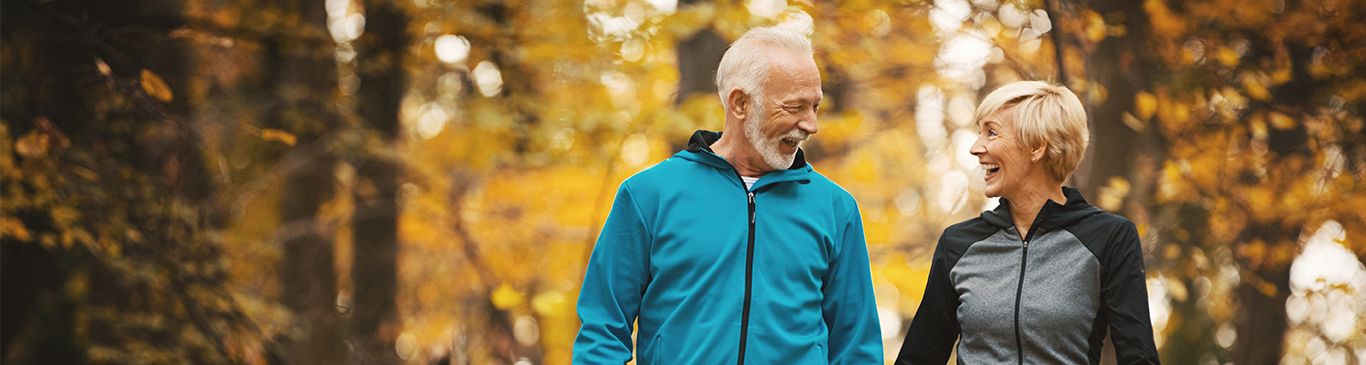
<point x="422" y="181"/>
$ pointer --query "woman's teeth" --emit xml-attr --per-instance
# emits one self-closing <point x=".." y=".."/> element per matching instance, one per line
<point x="991" y="168"/>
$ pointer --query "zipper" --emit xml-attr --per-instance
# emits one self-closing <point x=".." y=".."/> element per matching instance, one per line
<point x="1019" y="291"/>
<point x="749" y="275"/>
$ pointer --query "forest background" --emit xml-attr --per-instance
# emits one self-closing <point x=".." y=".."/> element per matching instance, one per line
<point x="422" y="181"/>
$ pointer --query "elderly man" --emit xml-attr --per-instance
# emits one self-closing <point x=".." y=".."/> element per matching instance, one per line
<point x="735" y="250"/>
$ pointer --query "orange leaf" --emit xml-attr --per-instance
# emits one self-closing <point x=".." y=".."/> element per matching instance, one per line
<point x="272" y="134"/>
<point x="156" y="87"/>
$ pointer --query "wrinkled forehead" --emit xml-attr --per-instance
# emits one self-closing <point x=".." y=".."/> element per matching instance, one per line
<point x="794" y="74"/>
<point x="789" y="63"/>
<point x="1003" y="117"/>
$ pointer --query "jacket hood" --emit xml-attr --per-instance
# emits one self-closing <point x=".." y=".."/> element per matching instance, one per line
<point x="1051" y="217"/>
<point x="699" y="150"/>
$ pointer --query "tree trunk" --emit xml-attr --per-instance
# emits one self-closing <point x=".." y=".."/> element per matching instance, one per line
<point x="1117" y="149"/>
<point x="305" y="61"/>
<point x="1122" y="66"/>
<point x="1261" y="325"/>
<point x="698" y="57"/>
<point x="380" y="56"/>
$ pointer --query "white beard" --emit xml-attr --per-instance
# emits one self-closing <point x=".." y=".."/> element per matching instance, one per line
<point x="768" y="147"/>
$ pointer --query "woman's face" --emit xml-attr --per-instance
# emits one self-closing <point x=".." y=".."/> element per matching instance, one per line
<point x="1004" y="158"/>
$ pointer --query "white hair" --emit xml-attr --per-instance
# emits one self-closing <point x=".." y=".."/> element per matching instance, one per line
<point x="746" y="63"/>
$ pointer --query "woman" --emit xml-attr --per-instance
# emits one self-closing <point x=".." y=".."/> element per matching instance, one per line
<point x="1043" y="277"/>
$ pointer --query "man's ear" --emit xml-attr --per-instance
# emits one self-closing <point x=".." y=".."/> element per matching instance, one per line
<point x="738" y="102"/>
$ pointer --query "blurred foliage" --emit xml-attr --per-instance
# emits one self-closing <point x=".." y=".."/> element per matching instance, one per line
<point x="149" y="148"/>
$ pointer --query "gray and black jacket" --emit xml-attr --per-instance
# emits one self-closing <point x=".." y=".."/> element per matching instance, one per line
<point x="1048" y="297"/>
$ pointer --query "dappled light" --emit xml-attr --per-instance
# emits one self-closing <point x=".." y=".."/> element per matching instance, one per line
<point x="422" y="181"/>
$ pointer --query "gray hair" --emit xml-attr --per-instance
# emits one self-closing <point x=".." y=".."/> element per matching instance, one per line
<point x="746" y="63"/>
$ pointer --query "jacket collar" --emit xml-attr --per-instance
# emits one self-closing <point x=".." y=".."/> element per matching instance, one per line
<point x="699" y="150"/>
<point x="1052" y="216"/>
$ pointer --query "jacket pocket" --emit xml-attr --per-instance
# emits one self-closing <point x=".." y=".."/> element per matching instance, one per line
<point x="655" y="347"/>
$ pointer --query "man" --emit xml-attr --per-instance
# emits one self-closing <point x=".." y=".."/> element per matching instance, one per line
<point x="735" y="251"/>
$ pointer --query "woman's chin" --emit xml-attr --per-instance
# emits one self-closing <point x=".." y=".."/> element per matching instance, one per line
<point x="992" y="192"/>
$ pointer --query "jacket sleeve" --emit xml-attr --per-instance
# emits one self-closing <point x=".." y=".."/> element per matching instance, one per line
<point x="848" y="305"/>
<point x="615" y="280"/>
<point x="1124" y="294"/>
<point x="935" y="326"/>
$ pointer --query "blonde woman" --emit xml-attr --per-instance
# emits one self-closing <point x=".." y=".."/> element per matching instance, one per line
<point x="1045" y="276"/>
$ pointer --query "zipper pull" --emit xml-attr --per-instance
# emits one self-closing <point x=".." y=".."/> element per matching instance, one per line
<point x="1026" y="244"/>
<point x="751" y="207"/>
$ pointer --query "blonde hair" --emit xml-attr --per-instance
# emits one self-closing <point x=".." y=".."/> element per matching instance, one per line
<point x="1043" y="113"/>
<point x="746" y="63"/>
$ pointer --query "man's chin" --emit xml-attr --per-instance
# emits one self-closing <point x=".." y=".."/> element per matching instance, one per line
<point x="784" y="163"/>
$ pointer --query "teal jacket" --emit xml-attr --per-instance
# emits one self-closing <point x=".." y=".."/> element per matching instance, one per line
<point x="718" y="274"/>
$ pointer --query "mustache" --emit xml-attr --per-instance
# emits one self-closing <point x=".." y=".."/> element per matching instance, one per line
<point x="797" y="135"/>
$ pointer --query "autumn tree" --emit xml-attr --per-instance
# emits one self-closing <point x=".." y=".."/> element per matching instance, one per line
<point x="380" y="57"/>
<point x="1263" y="140"/>
<point x="105" y="191"/>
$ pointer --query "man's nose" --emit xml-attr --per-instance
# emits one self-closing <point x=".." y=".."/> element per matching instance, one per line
<point x="808" y="123"/>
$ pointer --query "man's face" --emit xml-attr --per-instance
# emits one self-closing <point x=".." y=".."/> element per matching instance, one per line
<point x="788" y="113"/>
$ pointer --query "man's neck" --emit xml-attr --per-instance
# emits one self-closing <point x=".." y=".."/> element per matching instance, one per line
<point x="741" y="156"/>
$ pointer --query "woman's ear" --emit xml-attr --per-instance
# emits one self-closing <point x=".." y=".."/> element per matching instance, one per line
<point x="738" y="102"/>
<point x="1038" y="152"/>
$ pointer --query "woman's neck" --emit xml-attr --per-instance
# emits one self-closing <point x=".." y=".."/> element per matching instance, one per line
<point x="1025" y="205"/>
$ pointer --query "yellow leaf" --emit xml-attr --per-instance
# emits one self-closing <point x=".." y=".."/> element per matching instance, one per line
<point x="1281" y="76"/>
<point x="1096" y="29"/>
<point x="1145" y="105"/>
<point x="1281" y="121"/>
<point x="32" y="144"/>
<point x="272" y="134"/>
<point x="1227" y="56"/>
<point x="13" y="228"/>
<point x="156" y="87"/>
<point x="864" y="169"/>
<point x="506" y="297"/>
<point x="64" y="216"/>
<point x="877" y="233"/>
<point x="1111" y="197"/>
<point x="549" y="304"/>
<point x="1255" y="88"/>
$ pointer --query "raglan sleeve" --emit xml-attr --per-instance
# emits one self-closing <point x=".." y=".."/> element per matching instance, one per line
<point x="1124" y="295"/>
<point x="615" y="280"/>
<point x="848" y="304"/>
<point x="934" y="329"/>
